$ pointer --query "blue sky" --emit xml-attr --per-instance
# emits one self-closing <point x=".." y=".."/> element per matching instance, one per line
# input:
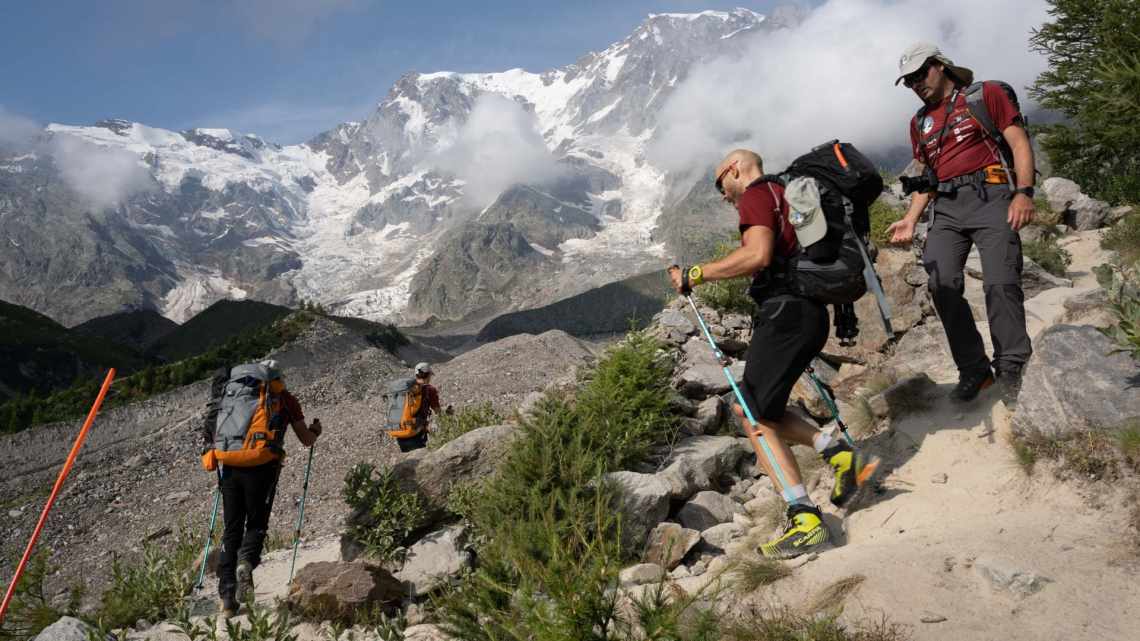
<point x="285" y="69"/>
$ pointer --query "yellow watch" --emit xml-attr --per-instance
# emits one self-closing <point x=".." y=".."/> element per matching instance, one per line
<point x="696" y="276"/>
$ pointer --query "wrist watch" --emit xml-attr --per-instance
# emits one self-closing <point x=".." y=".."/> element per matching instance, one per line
<point x="1028" y="191"/>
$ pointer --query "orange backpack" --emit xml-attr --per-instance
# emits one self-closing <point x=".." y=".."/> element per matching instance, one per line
<point x="405" y="399"/>
<point x="250" y="428"/>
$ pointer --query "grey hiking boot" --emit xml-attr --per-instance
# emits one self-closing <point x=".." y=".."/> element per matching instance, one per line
<point x="244" y="582"/>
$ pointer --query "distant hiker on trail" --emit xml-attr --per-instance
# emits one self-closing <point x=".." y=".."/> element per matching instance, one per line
<point x="788" y="331"/>
<point x="411" y="406"/>
<point x="244" y="429"/>
<point x="977" y="181"/>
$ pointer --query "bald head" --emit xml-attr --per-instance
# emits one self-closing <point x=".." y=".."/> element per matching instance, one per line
<point x="740" y="168"/>
<point x="746" y="161"/>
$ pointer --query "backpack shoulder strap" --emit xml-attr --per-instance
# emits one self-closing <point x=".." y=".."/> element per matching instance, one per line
<point x="975" y="102"/>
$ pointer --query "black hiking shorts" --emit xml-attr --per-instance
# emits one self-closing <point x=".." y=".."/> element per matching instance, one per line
<point x="787" y="332"/>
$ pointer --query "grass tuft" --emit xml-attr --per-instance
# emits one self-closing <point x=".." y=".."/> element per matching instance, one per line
<point x="753" y="572"/>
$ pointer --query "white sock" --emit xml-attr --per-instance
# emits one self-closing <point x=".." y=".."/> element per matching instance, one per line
<point x="797" y="495"/>
<point x="821" y="441"/>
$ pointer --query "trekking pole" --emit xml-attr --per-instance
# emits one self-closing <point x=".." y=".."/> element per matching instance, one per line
<point x="210" y="533"/>
<point x="825" y="391"/>
<point x="67" y="465"/>
<point x="301" y="516"/>
<point x="750" y="428"/>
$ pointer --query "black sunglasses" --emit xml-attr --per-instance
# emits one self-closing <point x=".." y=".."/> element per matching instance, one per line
<point x="917" y="75"/>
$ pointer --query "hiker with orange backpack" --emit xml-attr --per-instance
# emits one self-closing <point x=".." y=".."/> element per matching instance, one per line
<point x="977" y="183"/>
<point x="412" y="402"/>
<point x="244" y="438"/>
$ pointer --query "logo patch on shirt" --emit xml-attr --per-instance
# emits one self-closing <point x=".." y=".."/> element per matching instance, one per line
<point x="927" y="124"/>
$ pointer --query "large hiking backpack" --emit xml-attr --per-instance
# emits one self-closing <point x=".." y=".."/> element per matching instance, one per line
<point x="976" y="105"/>
<point x="249" y="429"/>
<point x="838" y="268"/>
<point x="405" y="400"/>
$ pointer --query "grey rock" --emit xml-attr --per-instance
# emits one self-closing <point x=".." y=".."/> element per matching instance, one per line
<point x="66" y="629"/>
<point x="931" y="617"/>
<point x="1002" y="576"/>
<point x="1116" y="214"/>
<point x="1079" y="210"/>
<point x="710" y="413"/>
<point x="901" y="396"/>
<point x="340" y="589"/>
<point x="699" y="381"/>
<point x="1079" y="305"/>
<point x="426" y="632"/>
<point x="696" y="463"/>
<point x="717" y="538"/>
<point x="676" y="320"/>
<point x="641" y="574"/>
<point x="644" y="502"/>
<point x="940" y="478"/>
<point x="472" y="456"/>
<point x="435" y="560"/>
<point x="669" y="543"/>
<point x="707" y="509"/>
<point x="1074" y="382"/>
<point x="736" y="321"/>
<point x="1032" y="233"/>
<point x="698" y="568"/>
<point x="680" y="572"/>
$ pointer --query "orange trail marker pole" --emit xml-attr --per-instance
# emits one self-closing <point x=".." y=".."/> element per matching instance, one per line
<point x="55" y="491"/>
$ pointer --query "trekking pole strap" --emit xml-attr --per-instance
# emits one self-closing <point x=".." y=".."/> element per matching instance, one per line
<point x="771" y="456"/>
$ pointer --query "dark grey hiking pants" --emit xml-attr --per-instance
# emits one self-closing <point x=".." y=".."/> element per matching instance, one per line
<point x="960" y="220"/>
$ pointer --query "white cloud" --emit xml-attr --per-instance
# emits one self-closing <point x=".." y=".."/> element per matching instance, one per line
<point x="498" y="146"/>
<point x="17" y="132"/>
<point x="832" y="77"/>
<point x="101" y="176"/>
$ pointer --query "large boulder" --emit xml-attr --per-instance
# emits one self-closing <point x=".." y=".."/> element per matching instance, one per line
<point x="699" y="374"/>
<point x="470" y="457"/>
<point x="67" y="629"/>
<point x="339" y="590"/>
<point x="696" y="463"/>
<point x="669" y="543"/>
<point x="707" y="509"/>
<point x="435" y="560"/>
<point x="1074" y="382"/>
<point x="1079" y="211"/>
<point x="643" y="500"/>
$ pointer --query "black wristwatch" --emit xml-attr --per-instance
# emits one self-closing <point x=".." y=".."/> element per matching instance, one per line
<point x="1028" y="191"/>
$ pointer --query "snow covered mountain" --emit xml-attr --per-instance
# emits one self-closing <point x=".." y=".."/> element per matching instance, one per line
<point x="460" y="197"/>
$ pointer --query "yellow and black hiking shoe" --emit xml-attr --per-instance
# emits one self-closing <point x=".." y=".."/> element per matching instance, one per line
<point x="804" y="533"/>
<point x="852" y="471"/>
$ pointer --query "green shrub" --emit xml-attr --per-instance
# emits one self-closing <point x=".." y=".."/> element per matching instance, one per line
<point x="151" y="587"/>
<point x="30" y="611"/>
<point x="550" y="544"/>
<point x="1123" y="293"/>
<point x="387" y="513"/>
<point x="1124" y="238"/>
<point x="882" y="215"/>
<point x="451" y="426"/>
<point x="1046" y="253"/>
<point x="263" y="625"/>
<point x="727" y="296"/>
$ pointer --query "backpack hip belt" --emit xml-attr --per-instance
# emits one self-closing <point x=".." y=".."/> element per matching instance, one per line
<point x="994" y="174"/>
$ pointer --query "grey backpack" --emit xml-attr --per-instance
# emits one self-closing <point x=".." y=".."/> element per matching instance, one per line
<point x="249" y="429"/>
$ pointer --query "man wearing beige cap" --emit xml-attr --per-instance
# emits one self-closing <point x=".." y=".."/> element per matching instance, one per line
<point x="788" y="331"/>
<point x="977" y="181"/>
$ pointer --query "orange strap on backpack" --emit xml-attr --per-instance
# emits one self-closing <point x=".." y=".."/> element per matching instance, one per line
<point x="412" y="404"/>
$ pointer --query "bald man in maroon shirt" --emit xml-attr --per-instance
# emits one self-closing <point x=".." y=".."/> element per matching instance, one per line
<point x="980" y="192"/>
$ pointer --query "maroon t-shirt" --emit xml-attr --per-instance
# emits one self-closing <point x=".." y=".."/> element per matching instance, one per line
<point x="762" y="203"/>
<point x="965" y="147"/>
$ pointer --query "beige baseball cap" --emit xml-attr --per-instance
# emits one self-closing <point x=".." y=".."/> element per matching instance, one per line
<point x="918" y="53"/>
<point x="806" y="213"/>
